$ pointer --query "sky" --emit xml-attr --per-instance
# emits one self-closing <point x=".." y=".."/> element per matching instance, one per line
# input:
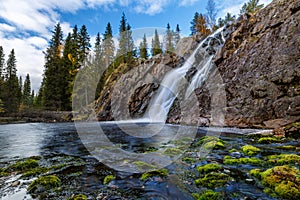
<point x="26" y="25"/>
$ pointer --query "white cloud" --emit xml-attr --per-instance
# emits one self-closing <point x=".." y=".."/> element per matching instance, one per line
<point x="7" y="28"/>
<point x="187" y="2"/>
<point x="150" y="7"/>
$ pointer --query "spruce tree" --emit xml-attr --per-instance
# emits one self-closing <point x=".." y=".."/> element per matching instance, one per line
<point x="169" y="40"/>
<point x="177" y="35"/>
<point x="201" y="26"/>
<point x="194" y="23"/>
<point x="98" y="51"/>
<point x="126" y="45"/>
<point x="156" y="46"/>
<point x="55" y="73"/>
<point x="11" y="86"/>
<point x="27" y="92"/>
<point x="2" y="62"/>
<point x="84" y="44"/>
<point x="108" y="46"/>
<point x="143" y="48"/>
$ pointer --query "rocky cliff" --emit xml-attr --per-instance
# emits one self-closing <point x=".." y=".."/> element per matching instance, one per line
<point x="259" y="65"/>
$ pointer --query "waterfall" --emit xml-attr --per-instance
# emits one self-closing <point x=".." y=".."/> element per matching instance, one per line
<point x="175" y="81"/>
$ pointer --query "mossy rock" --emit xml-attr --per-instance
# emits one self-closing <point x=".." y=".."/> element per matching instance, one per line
<point x="283" y="159"/>
<point x="236" y="161"/>
<point x="108" y="179"/>
<point x="143" y="166"/>
<point x="207" y="195"/>
<point x="173" y="152"/>
<point x="210" y="142"/>
<point x="213" y="145"/>
<point x="283" y="181"/>
<point x="212" y="167"/>
<point x="160" y="172"/>
<point x="288" y="147"/>
<point x="213" y="180"/>
<point x="268" y="140"/>
<point x="35" y="172"/>
<point x="189" y="160"/>
<point x="78" y="197"/>
<point x="47" y="182"/>
<point x="256" y="173"/>
<point x="23" y="165"/>
<point x="250" y="150"/>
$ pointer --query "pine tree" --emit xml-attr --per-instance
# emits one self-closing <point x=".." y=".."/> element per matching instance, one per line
<point x="228" y="19"/>
<point x="11" y="86"/>
<point x="2" y="62"/>
<point x="169" y="40"/>
<point x="98" y="51"/>
<point x="55" y="76"/>
<point x="126" y="44"/>
<point x="108" y="46"/>
<point x="27" y="92"/>
<point x="194" y="23"/>
<point x="211" y="14"/>
<point x="177" y="35"/>
<point x="156" y="46"/>
<point x="84" y="44"/>
<point x="251" y="7"/>
<point x="143" y="48"/>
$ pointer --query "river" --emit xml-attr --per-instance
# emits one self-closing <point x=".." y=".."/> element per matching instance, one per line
<point x="61" y="143"/>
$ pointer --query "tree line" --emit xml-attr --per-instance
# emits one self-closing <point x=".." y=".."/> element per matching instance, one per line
<point x="15" y="95"/>
<point x="206" y="23"/>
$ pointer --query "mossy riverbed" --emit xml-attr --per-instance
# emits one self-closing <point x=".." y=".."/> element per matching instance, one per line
<point x="226" y="167"/>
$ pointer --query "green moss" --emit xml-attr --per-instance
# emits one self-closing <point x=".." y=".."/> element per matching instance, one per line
<point x="78" y="197"/>
<point x="289" y="147"/>
<point x="210" y="142"/>
<point x="284" y="159"/>
<point x="108" y="179"/>
<point x="189" y="160"/>
<point x="284" y="181"/>
<point x="250" y="150"/>
<point x="288" y="190"/>
<point x="23" y="165"/>
<point x="209" y="168"/>
<point x="233" y="150"/>
<point x="256" y="173"/>
<point x="3" y="173"/>
<point x="47" y="182"/>
<point x="213" y="180"/>
<point x="172" y="152"/>
<point x="35" y="171"/>
<point x="237" y="161"/>
<point x="268" y="140"/>
<point x="207" y="195"/>
<point x="213" y="145"/>
<point x="142" y="165"/>
<point x="161" y="173"/>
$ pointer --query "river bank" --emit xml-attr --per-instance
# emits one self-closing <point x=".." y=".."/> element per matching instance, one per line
<point x="36" y="116"/>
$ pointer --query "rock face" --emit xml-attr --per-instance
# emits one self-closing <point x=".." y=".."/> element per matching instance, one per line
<point x="260" y="66"/>
<point x="127" y="94"/>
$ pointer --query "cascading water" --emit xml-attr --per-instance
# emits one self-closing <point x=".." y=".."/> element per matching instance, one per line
<point x="174" y="82"/>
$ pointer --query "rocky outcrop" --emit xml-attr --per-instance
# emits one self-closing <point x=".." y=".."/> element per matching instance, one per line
<point x="128" y="93"/>
<point x="260" y="66"/>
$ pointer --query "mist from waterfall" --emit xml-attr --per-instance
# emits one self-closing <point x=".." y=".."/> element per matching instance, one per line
<point x="176" y="83"/>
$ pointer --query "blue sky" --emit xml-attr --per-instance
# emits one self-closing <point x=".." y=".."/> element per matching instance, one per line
<point x="26" y="25"/>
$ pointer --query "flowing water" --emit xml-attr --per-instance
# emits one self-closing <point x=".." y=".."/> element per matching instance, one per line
<point x="175" y="81"/>
<point x="60" y="144"/>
